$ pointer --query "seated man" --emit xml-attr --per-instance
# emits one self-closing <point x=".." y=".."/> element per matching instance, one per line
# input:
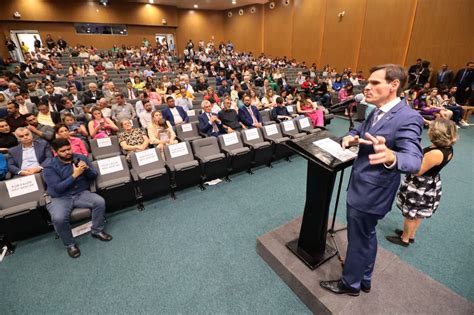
<point x="29" y="156"/>
<point x="280" y="112"/>
<point x="229" y="117"/>
<point x="93" y="95"/>
<point x="14" y="118"/>
<point x="249" y="114"/>
<point x="76" y="111"/>
<point x="122" y="110"/>
<point x="209" y="123"/>
<point x="175" y="115"/>
<point x="39" y="131"/>
<point x="68" y="177"/>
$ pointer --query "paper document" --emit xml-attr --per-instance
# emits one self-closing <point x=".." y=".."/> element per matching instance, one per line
<point x="334" y="148"/>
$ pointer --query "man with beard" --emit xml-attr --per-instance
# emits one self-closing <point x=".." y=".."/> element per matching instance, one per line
<point x="68" y="177"/>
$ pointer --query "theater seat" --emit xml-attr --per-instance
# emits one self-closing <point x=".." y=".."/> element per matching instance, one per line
<point x="304" y="125"/>
<point x="262" y="150"/>
<point x="213" y="162"/>
<point x="114" y="182"/>
<point x="288" y="129"/>
<point x="187" y="132"/>
<point x="239" y="156"/>
<point x="105" y="147"/>
<point x="183" y="168"/>
<point x="15" y="200"/>
<point x="266" y="118"/>
<point x="149" y="173"/>
<point x="273" y="134"/>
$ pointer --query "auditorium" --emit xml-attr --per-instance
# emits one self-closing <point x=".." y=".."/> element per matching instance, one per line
<point x="236" y="156"/>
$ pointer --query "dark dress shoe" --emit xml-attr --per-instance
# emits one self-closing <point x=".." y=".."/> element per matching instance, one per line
<point x="365" y="287"/>
<point x="397" y="240"/>
<point x="73" y="251"/>
<point x="400" y="233"/>
<point x="102" y="236"/>
<point x="338" y="287"/>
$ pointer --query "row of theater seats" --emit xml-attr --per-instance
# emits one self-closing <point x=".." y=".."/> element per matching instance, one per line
<point x="147" y="175"/>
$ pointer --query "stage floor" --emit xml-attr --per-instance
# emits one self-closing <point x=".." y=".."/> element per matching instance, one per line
<point x="397" y="288"/>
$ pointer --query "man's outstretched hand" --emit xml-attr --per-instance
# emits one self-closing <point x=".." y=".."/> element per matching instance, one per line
<point x="382" y="155"/>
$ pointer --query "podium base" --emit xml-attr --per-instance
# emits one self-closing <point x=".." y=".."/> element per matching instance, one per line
<point x="309" y="260"/>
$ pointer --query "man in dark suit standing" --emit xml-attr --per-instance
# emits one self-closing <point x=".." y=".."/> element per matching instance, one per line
<point x="389" y="145"/>
<point x="29" y="156"/>
<point x="444" y="77"/>
<point x="174" y="114"/>
<point x="249" y="114"/>
<point x="209" y="123"/>
<point x="464" y="80"/>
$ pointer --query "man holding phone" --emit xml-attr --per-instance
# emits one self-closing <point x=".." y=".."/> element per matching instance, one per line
<point x="67" y="177"/>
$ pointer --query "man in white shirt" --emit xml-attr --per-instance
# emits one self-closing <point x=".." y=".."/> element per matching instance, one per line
<point x="354" y="80"/>
<point x="145" y="116"/>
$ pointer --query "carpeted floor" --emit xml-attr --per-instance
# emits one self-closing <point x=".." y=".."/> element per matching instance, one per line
<point x="197" y="254"/>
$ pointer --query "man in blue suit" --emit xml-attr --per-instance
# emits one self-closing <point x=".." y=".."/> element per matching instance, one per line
<point x="29" y="156"/>
<point x="249" y="114"/>
<point x="175" y="115"/>
<point x="209" y="123"/>
<point x="389" y="142"/>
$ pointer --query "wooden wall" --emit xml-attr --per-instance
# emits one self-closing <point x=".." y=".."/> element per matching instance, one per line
<point x="371" y="31"/>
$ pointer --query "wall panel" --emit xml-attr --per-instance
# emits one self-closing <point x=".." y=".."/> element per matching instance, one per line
<point x="245" y="31"/>
<point x="443" y="32"/>
<point x="278" y="30"/>
<point x="197" y="25"/>
<point x="342" y="36"/>
<point x="308" y="28"/>
<point x="383" y="40"/>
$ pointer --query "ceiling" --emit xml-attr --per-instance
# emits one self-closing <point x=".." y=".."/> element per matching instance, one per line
<point x="202" y="4"/>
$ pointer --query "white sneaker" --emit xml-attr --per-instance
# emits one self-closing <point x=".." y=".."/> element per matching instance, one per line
<point x="463" y="123"/>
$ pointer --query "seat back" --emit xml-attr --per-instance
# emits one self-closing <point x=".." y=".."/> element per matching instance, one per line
<point x="178" y="153"/>
<point x="193" y="115"/>
<point x="304" y="124"/>
<point x="272" y="132"/>
<point x="252" y="136"/>
<point x="291" y="109"/>
<point x="230" y="141"/>
<point x="266" y="117"/>
<point x="146" y="161"/>
<point x="112" y="172"/>
<point x="187" y="131"/>
<point x="20" y="194"/>
<point x="206" y="147"/>
<point x="105" y="147"/>
<point x="288" y="127"/>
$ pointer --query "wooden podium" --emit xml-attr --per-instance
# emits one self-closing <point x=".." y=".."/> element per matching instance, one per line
<point x="311" y="245"/>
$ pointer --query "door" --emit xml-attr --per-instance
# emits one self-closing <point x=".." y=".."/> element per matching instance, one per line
<point x="27" y="37"/>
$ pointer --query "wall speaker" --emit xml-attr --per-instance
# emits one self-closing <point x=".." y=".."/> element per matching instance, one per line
<point x="285" y="2"/>
<point x="241" y="12"/>
<point x="229" y="14"/>
<point x="253" y="10"/>
<point x="272" y="5"/>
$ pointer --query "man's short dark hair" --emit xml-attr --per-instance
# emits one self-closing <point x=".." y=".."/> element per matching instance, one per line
<point x="64" y="100"/>
<point x="279" y="100"/>
<point x="58" y="143"/>
<point x="169" y="98"/>
<point x="28" y="115"/>
<point x="393" y="72"/>
<point x="120" y="95"/>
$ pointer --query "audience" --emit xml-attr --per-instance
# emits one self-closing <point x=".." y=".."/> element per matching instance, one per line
<point x="175" y="115"/>
<point x="249" y="114"/>
<point x="229" y="117"/>
<point x="132" y="139"/>
<point x="46" y="116"/>
<point x="100" y="126"/>
<point x="160" y="131"/>
<point x="14" y="118"/>
<point x="61" y="131"/>
<point x="7" y="138"/>
<point x="209" y="123"/>
<point x="39" y="131"/>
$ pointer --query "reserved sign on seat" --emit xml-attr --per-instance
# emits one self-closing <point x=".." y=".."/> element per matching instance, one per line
<point x="230" y="138"/>
<point x="104" y="142"/>
<point x="110" y="165"/>
<point x="146" y="157"/>
<point x="252" y="134"/>
<point x="178" y="149"/>
<point x="21" y="186"/>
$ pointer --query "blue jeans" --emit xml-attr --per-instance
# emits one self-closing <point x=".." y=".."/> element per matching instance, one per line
<point x="60" y="210"/>
<point x="361" y="248"/>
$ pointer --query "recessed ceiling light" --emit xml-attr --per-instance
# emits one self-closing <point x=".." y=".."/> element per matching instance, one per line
<point x="151" y="1"/>
<point x="234" y="1"/>
<point x="196" y="6"/>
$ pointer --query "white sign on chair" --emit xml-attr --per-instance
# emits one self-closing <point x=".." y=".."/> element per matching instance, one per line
<point x="146" y="157"/>
<point x="110" y="165"/>
<point x="178" y="149"/>
<point x="304" y="123"/>
<point x="288" y="125"/>
<point x="104" y="142"/>
<point x="21" y="186"/>
<point x="271" y="129"/>
<point x="187" y="127"/>
<point x="252" y="134"/>
<point x="230" y="138"/>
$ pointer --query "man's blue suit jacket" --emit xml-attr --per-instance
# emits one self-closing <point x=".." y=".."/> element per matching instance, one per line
<point x="372" y="188"/>
<point x="246" y="118"/>
<point x="42" y="150"/>
<point x="206" y="127"/>
<point x="167" y="115"/>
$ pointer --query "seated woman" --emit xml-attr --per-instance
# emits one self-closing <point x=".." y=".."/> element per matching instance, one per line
<point x="345" y="93"/>
<point x="433" y="102"/>
<point x="154" y="97"/>
<point x="254" y="100"/>
<point x="337" y="85"/>
<point x="160" y="131"/>
<point x="77" y="145"/>
<point x="138" y="83"/>
<point x="100" y="127"/>
<point x="269" y="100"/>
<point x="75" y="129"/>
<point x="304" y="106"/>
<point x="132" y="139"/>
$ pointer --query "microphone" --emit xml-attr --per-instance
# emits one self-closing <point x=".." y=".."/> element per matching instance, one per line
<point x="76" y="162"/>
<point x="342" y="105"/>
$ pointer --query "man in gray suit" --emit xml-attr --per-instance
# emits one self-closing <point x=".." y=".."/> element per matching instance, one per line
<point x="39" y="131"/>
<point x="444" y="77"/>
<point x="69" y="108"/>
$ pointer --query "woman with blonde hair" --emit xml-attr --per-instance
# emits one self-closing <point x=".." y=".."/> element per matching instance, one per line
<point x="160" y="131"/>
<point x="419" y="194"/>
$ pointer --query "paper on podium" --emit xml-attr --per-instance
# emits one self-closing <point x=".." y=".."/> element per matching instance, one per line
<point x="334" y="148"/>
